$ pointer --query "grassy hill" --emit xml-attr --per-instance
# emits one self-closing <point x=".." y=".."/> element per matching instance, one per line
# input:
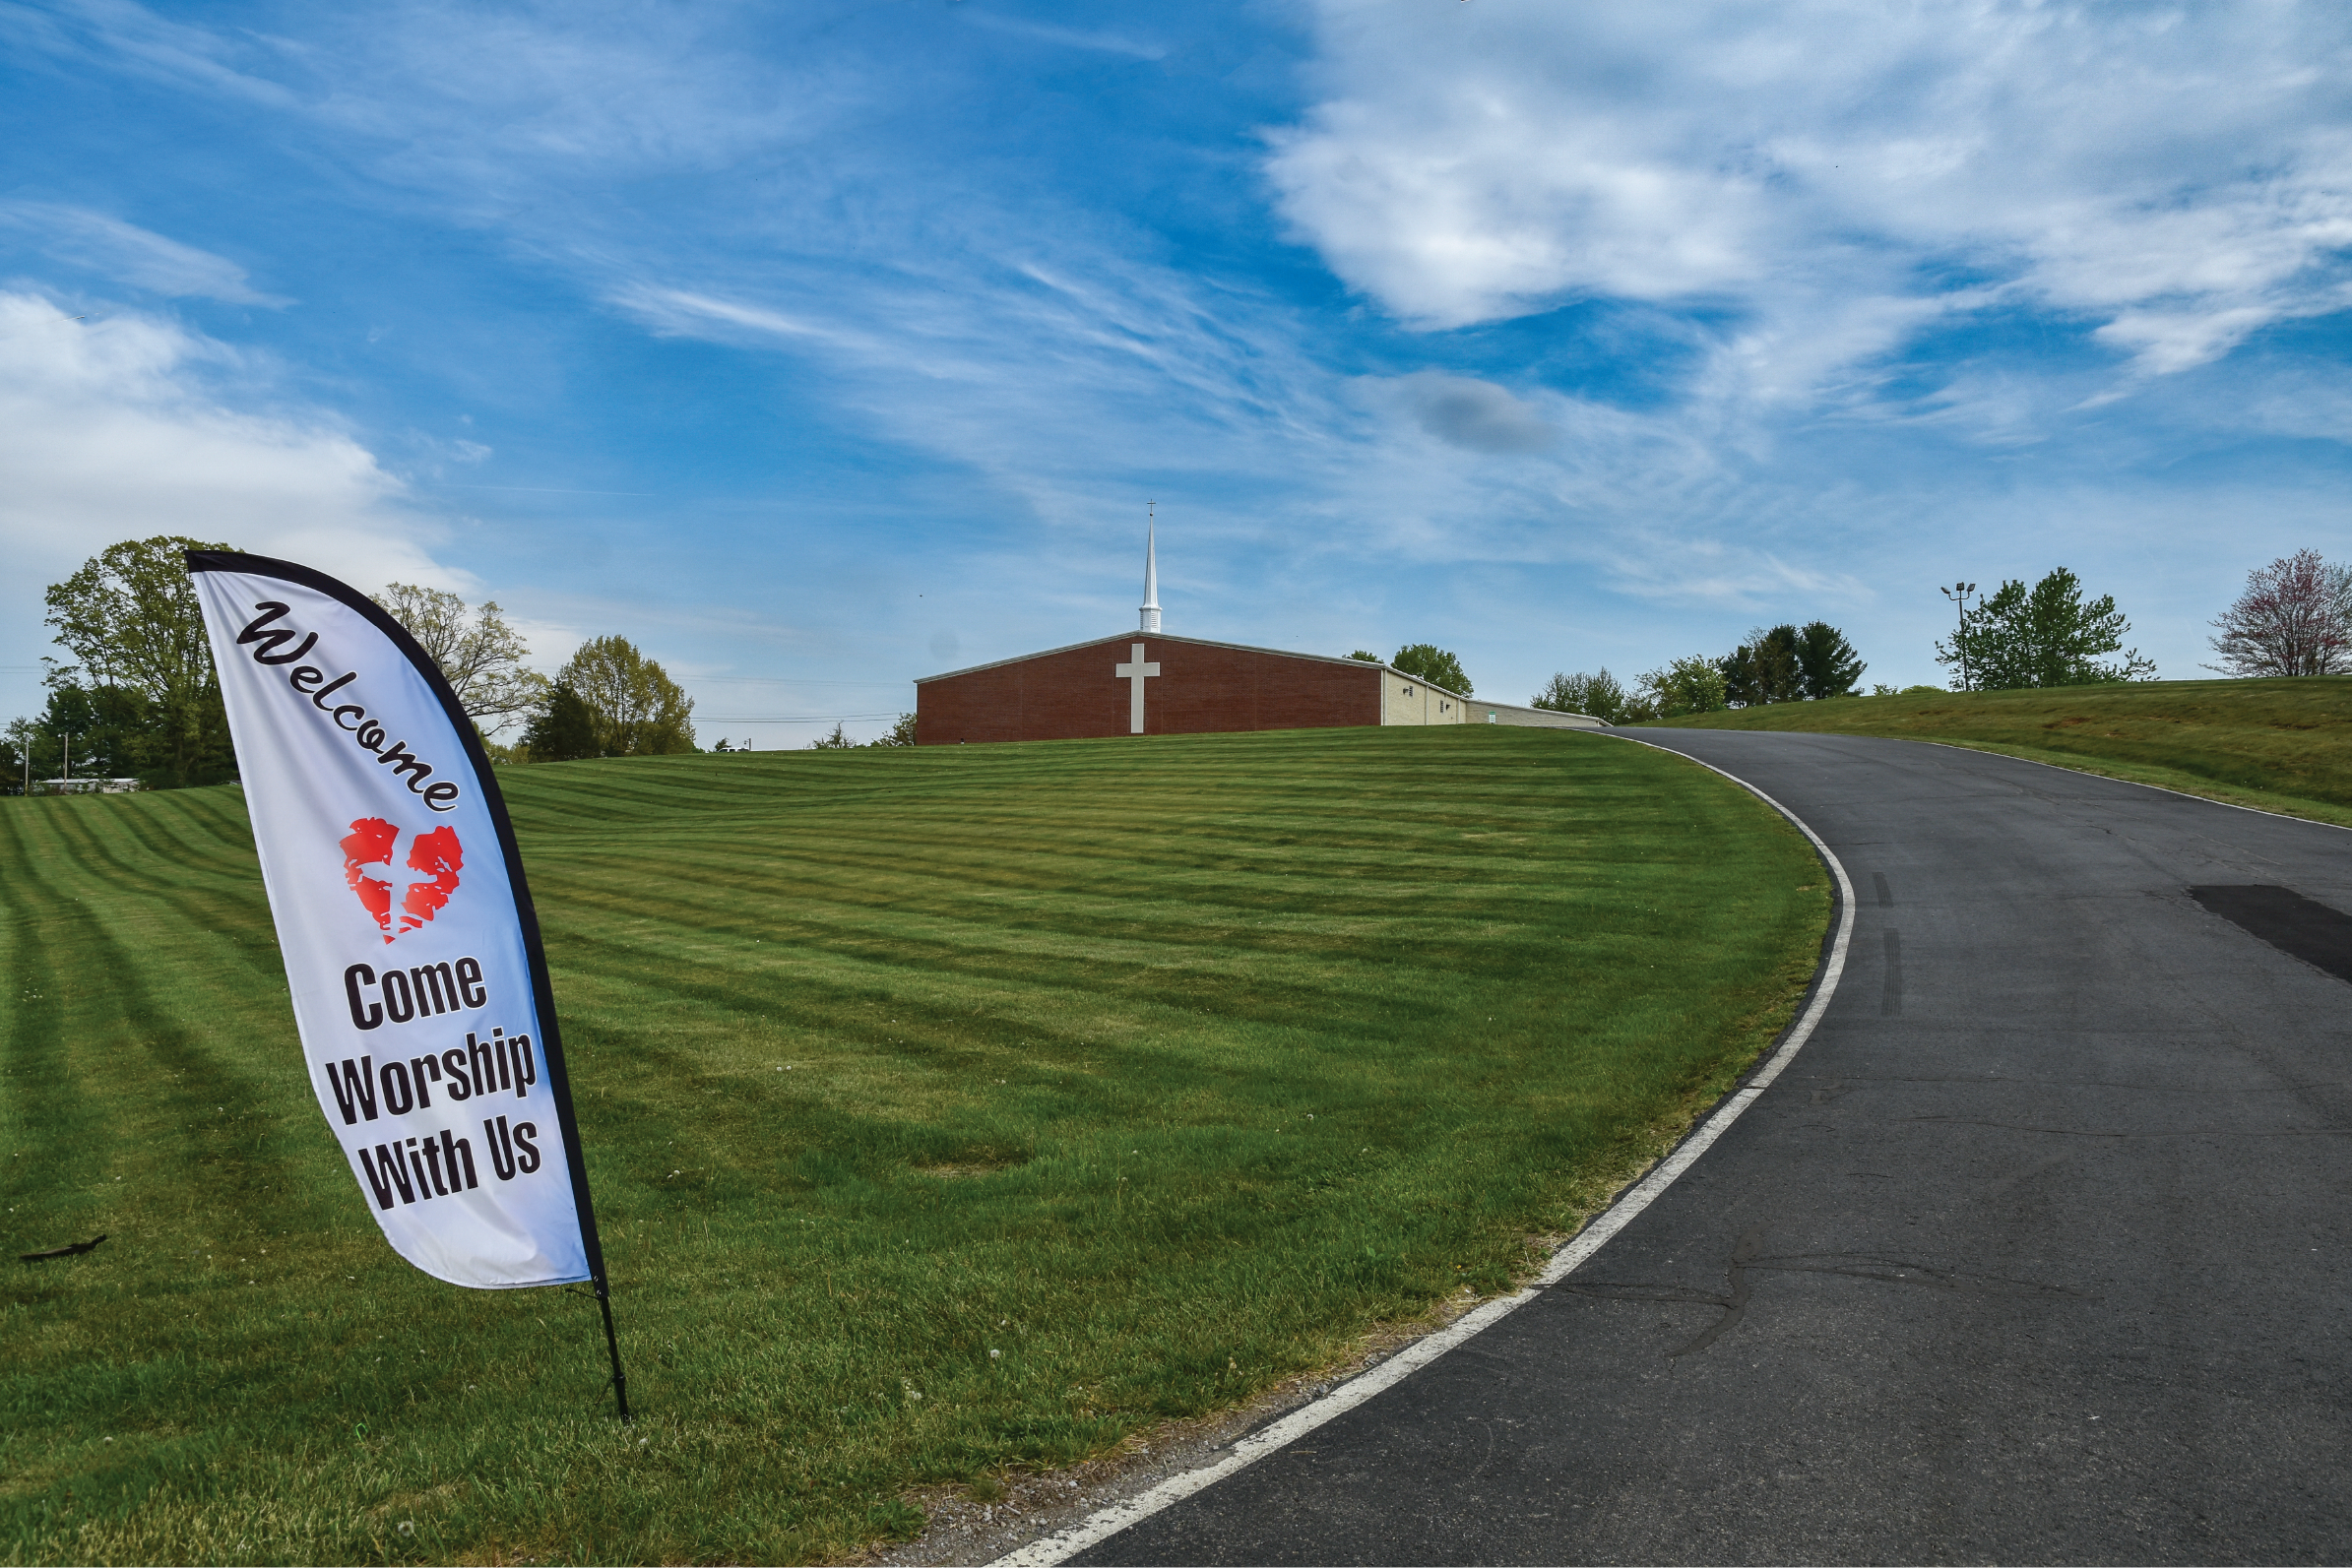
<point x="949" y="1111"/>
<point x="2280" y="745"/>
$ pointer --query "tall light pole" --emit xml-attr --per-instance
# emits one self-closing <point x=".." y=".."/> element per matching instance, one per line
<point x="1958" y="593"/>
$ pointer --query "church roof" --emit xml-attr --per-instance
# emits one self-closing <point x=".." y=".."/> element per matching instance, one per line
<point x="1198" y="641"/>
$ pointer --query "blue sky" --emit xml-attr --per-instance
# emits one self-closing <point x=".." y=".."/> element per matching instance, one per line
<point x="817" y="347"/>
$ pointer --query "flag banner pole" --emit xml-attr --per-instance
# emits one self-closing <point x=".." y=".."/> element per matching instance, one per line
<point x="412" y="952"/>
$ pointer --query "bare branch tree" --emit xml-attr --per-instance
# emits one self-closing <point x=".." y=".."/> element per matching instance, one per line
<point x="481" y="655"/>
<point x="2295" y="618"/>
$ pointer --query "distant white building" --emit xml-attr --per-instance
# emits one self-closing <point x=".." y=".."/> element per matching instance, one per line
<point x="84" y="787"/>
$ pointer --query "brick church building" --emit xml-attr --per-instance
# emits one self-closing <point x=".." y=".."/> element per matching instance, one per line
<point x="1146" y="682"/>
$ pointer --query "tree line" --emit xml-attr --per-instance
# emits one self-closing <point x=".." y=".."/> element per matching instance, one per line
<point x="901" y="733"/>
<point x="136" y="695"/>
<point x="2048" y="635"/>
<point x="2293" y="618"/>
<point x="1784" y="664"/>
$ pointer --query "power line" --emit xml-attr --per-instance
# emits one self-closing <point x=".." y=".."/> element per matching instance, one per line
<point x="793" y="718"/>
<point x="788" y="680"/>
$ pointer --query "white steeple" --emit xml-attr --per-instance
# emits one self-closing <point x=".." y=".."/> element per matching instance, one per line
<point x="1151" y="577"/>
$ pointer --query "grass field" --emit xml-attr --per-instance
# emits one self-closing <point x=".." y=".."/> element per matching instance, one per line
<point x="949" y="1112"/>
<point x="2279" y="745"/>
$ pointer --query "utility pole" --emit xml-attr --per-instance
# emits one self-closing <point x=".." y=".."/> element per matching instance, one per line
<point x="1958" y="593"/>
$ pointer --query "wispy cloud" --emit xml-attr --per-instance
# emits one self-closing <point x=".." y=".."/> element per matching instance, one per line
<point x="233" y="63"/>
<point x="979" y="16"/>
<point x="129" y="254"/>
<point x="685" y="313"/>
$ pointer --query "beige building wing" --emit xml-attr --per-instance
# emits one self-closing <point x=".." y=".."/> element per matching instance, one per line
<point x="1407" y="701"/>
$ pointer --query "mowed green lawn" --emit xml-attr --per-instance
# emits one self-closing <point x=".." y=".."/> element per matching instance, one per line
<point x="949" y="1111"/>
<point x="2278" y="745"/>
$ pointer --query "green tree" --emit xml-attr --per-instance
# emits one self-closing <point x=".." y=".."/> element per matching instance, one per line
<point x="106" y="731"/>
<point x="1763" y="669"/>
<point x="839" y="740"/>
<point x="1779" y="663"/>
<point x="1826" y="664"/>
<point x="1429" y="662"/>
<point x="1692" y="685"/>
<point x="2048" y="635"/>
<point x="1599" y="695"/>
<point x="130" y="619"/>
<point x="1370" y="659"/>
<point x="480" y="654"/>
<point x="1563" y="693"/>
<point x="564" y="729"/>
<point x="901" y="733"/>
<point x="1739" y="676"/>
<point x="637" y="709"/>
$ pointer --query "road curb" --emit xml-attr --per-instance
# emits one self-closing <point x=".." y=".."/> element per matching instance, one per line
<point x="1100" y="1526"/>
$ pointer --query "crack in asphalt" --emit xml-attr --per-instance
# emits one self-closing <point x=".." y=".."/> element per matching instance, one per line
<point x="1747" y="1258"/>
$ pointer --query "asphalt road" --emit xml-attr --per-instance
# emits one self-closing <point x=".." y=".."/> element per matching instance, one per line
<point x="2037" y="1251"/>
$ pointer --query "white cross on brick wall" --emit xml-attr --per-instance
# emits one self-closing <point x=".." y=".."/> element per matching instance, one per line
<point x="1135" y="672"/>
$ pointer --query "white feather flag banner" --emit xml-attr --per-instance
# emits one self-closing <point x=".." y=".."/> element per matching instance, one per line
<point x="410" y="946"/>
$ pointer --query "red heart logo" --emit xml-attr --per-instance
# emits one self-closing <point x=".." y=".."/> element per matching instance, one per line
<point x="435" y="854"/>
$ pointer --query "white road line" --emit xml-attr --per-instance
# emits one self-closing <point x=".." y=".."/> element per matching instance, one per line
<point x="1100" y="1526"/>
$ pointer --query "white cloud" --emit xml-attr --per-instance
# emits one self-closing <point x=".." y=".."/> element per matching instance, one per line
<point x="1841" y="173"/>
<point x="126" y="425"/>
<point x="129" y="254"/>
